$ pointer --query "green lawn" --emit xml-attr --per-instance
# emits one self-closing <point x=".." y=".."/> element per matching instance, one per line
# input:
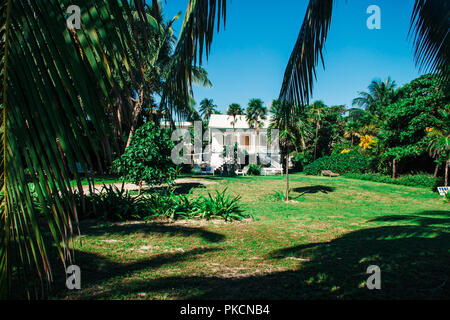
<point x="317" y="247"/>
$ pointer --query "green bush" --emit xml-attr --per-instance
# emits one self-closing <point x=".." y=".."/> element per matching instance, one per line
<point x="418" y="180"/>
<point x="114" y="204"/>
<point x="342" y="163"/>
<point x="221" y="205"/>
<point x="278" y="196"/>
<point x="148" y="158"/>
<point x="254" y="170"/>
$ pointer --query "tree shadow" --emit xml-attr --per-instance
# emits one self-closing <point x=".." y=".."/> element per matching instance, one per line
<point x="97" y="269"/>
<point x="179" y="188"/>
<point x="150" y="228"/>
<point x="313" y="190"/>
<point x="414" y="262"/>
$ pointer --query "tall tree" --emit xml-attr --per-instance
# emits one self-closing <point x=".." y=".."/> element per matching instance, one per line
<point x="256" y="114"/>
<point x="207" y="108"/>
<point x="440" y="140"/>
<point x="293" y="130"/>
<point x="235" y="110"/>
<point x="380" y="94"/>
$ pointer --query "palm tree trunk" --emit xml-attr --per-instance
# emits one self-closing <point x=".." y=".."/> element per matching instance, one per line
<point x="446" y="172"/>
<point x="135" y="115"/>
<point x="287" y="177"/>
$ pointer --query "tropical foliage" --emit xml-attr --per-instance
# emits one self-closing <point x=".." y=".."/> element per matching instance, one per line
<point x="148" y="158"/>
<point x="71" y="96"/>
<point x="207" y="108"/>
<point x="58" y="87"/>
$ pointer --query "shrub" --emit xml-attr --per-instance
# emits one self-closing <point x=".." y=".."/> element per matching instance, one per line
<point x="166" y="204"/>
<point x="419" y="180"/>
<point x="300" y="160"/>
<point x="148" y="158"/>
<point x="221" y="205"/>
<point x="447" y="197"/>
<point x="278" y="196"/>
<point x="254" y="170"/>
<point x="342" y="163"/>
<point x="111" y="204"/>
<point x="114" y="204"/>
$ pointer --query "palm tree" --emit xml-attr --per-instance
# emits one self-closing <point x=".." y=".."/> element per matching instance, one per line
<point x="57" y="85"/>
<point x="440" y="141"/>
<point x="381" y="93"/>
<point x="207" y="108"/>
<point x="293" y="129"/>
<point x="235" y="110"/>
<point x="256" y="113"/>
<point x="429" y="28"/>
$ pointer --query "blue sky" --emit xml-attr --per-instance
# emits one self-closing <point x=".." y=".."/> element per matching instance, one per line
<point x="249" y="57"/>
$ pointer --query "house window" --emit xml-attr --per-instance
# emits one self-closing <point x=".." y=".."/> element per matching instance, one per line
<point x="246" y="141"/>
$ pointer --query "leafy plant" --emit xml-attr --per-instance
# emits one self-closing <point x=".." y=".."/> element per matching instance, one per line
<point x="254" y="170"/>
<point x="278" y="196"/>
<point x="112" y="204"/>
<point x="166" y="204"/>
<point x="221" y="205"/>
<point x="342" y="163"/>
<point x="148" y="158"/>
<point x="447" y="197"/>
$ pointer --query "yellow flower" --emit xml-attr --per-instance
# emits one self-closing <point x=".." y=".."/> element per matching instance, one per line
<point x="367" y="142"/>
<point x="346" y="151"/>
<point x="429" y="130"/>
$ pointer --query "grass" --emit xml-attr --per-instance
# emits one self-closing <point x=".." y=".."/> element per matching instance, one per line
<point x="316" y="247"/>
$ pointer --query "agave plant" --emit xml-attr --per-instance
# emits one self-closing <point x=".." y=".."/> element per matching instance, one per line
<point x="55" y="84"/>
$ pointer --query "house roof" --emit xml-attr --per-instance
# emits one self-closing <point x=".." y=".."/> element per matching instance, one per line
<point x="221" y="121"/>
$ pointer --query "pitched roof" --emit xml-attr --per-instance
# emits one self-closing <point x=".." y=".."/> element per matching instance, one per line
<point x="221" y="121"/>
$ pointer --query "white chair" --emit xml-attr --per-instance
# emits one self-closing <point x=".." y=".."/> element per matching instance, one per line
<point x="242" y="172"/>
<point x="443" y="190"/>
<point x="197" y="170"/>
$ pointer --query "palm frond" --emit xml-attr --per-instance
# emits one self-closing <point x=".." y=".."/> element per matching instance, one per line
<point x="55" y="85"/>
<point x="430" y="24"/>
<point x="195" y="40"/>
<point x="300" y="72"/>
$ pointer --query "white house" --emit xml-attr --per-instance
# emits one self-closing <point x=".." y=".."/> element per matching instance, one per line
<point x="225" y="131"/>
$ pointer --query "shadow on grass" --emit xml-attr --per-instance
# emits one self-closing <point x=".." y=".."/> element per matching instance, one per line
<point x="97" y="269"/>
<point x="179" y="188"/>
<point x="313" y="190"/>
<point x="414" y="262"/>
<point x="150" y="228"/>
